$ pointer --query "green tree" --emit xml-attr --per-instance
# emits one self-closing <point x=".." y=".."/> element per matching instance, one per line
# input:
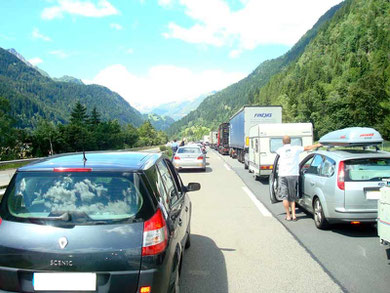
<point x="79" y="114"/>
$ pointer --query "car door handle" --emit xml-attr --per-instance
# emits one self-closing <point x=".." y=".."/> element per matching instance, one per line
<point x="186" y="209"/>
<point x="312" y="183"/>
<point x="180" y="221"/>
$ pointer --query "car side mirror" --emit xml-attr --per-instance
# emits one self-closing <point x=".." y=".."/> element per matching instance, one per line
<point x="193" y="186"/>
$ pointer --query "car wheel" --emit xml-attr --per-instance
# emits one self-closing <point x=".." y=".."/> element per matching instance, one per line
<point x="319" y="217"/>
<point x="188" y="242"/>
<point x="246" y="166"/>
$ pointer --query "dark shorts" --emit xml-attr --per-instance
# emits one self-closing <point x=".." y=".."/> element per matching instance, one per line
<point x="288" y="186"/>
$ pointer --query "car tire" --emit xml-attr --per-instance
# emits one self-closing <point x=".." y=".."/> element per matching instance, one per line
<point x="319" y="217"/>
<point x="188" y="242"/>
<point x="246" y="166"/>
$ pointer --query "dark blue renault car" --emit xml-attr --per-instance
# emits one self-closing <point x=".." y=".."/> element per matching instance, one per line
<point x="103" y="222"/>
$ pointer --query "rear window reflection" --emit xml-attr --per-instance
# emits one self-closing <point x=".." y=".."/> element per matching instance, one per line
<point x="189" y="150"/>
<point x="97" y="196"/>
<point x="369" y="169"/>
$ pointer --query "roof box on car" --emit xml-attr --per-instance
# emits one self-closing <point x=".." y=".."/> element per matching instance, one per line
<point x="353" y="136"/>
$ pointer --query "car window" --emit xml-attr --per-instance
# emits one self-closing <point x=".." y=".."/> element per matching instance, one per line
<point x="157" y="185"/>
<point x="315" y="165"/>
<point x="189" y="150"/>
<point x="328" y="167"/>
<point x="176" y="177"/>
<point x="169" y="182"/>
<point x="306" y="165"/>
<point x="276" y="143"/>
<point x="367" y="169"/>
<point x="85" y="197"/>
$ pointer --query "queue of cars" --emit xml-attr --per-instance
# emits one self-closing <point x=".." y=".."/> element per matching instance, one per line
<point x="101" y="222"/>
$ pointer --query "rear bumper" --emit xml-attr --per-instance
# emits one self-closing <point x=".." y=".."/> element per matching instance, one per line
<point x="21" y="280"/>
<point x="189" y="165"/>
<point x="342" y="215"/>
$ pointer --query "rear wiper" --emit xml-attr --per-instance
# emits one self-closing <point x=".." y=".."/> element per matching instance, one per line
<point x="63" y="217"/>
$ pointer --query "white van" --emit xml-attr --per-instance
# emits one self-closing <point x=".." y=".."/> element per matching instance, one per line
<point x="265" y="139"/>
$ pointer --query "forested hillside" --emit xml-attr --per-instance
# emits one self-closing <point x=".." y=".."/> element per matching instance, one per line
<point x="160" y="122"/>
<point x="343" y="77"/>
<point x="221" y="106"/>
<point x="31" y="94"/>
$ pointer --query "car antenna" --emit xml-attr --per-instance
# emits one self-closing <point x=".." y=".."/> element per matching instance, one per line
<point x="84" y="157"/>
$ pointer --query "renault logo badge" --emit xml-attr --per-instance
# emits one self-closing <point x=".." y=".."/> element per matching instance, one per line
<point x="63" y="242"/>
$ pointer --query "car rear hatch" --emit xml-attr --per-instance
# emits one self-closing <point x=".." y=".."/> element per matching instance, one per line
<point x="72" y="223"/>
<point x="363" y="178"/>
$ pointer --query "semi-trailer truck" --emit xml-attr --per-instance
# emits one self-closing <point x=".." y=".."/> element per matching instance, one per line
<point x="213" y="139"/>
<point x="223" y="139"/>
<point x="243" y="120"/>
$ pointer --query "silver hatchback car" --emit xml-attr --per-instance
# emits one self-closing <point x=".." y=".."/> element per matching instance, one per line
<point x="340" y="185"/>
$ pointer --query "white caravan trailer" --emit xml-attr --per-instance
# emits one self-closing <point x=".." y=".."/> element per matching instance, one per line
<point x="265" y="139"/>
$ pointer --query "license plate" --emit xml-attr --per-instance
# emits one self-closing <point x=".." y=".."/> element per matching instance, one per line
<point x="64" y="281"/>
<point x="373" y="194"/>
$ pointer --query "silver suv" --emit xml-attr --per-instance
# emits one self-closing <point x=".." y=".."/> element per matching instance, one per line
<point x="340" y="185"/>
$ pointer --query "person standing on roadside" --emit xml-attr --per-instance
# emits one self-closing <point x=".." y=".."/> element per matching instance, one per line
<point x="174" y="147"/>
<point x="289" y="174"/>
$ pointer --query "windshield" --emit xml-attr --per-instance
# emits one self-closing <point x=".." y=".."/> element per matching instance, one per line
<point x="79" y="197"/>
<point x="372" y="169"/>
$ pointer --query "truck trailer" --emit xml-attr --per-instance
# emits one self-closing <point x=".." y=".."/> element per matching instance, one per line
<point x="213" y="139"/>
<point x="223" y="139"/>
<point x="243" y="120"/>
<point x="266" y="139"/>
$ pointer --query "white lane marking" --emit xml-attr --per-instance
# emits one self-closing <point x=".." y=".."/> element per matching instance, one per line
<point x="227" y="167"/>
<point x="263" y="210"/>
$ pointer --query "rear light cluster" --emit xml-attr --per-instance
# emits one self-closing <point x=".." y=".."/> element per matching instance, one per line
<point x="155" y="235"/>
<point x="145" y="289"/>
<point x="200" y="158"/>
<point x="266" y="167"/>
<point x="341" y="176"/>
<point x="176" y="158"/>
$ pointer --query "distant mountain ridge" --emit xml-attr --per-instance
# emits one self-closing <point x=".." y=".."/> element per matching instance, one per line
<point x="30" y="94"/>
<point x="219" y="107"/>
<point x="178" y="110"/>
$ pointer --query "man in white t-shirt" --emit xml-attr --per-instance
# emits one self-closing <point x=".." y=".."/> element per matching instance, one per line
<point x="289" y="174"/>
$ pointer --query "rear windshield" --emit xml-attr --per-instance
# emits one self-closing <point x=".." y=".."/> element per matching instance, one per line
<point x="373" y="169"/>
<point x="193" y="150"/>
<point x="276" y="143"/>
<point x="78" y="197"/>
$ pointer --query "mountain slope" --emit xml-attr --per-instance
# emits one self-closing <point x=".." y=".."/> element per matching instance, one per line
<point x="30" y="93"/>
<point x="159" y="122"/>
<point x="220" y="107"/>
<point x="343" y="77"/>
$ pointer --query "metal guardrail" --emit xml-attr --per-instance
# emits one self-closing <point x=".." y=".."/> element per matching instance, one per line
<point x="18" y="161"/>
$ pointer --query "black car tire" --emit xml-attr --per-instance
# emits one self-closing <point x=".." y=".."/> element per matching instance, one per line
<point x="319" y="217"/>
<point x="188" y="242"/>
<point x="246" y="166"/>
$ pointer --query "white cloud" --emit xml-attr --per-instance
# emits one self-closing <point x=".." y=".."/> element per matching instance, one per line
<point x="258" y="22"/>
<point x="78" y="7"/>
<point x="60" y="54"/>
<point x="35" y="61"/>
<point x="116" y="26"/>
<point x="165" y="3"/>
<point x="163" y="84"/>
<point x="37" y="35"/>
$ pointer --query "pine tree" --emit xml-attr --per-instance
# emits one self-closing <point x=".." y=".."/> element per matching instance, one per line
<point x="79" y="114"/>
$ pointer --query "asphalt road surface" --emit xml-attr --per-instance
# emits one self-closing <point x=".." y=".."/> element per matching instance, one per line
<point x="238" y="246"/>
<point x="350" y="255"/>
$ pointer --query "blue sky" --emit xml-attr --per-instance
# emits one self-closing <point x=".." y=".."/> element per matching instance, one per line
<point x="155" y="51"/>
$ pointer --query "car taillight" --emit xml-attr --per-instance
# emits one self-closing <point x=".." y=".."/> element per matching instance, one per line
<point x="72" y="169"/>
<point x="340" y="176"/>
<point x="1" y="220"/>
<point x="266" y="167"/>
<point x="176" y="158"/>
<point x="200" y="158"/>
<point x="145" y="289"/>
<point x="155" y="235"/>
